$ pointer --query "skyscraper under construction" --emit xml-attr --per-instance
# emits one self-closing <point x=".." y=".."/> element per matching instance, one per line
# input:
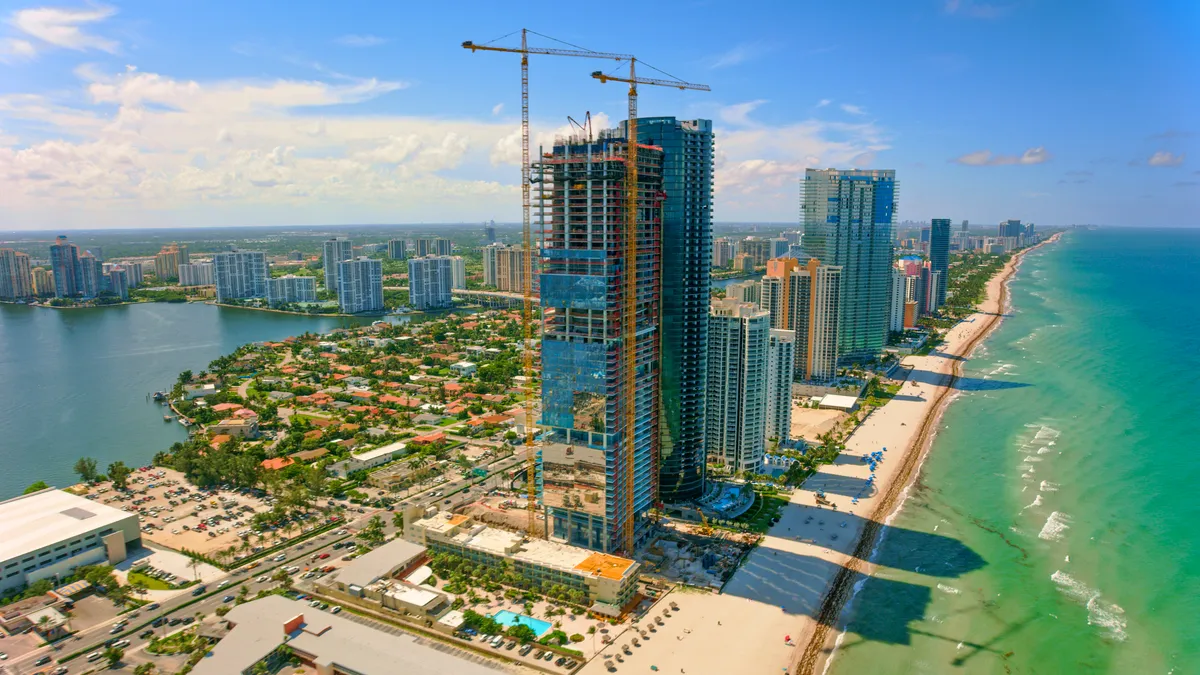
<point x="597" y="466"/>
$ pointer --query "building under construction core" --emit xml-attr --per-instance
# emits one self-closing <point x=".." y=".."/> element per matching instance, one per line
<point x="590" y="447"/>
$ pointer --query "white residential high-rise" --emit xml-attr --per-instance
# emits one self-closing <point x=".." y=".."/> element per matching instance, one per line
<point x="240" y="275"/>
<point x="196" y="274"/>
<point x="427" y="246"/>
<point x="291" y="288"/>
<point x="397" y="249"/>
<point x="745" y="291"/>
<point x="490" y="254"/>
<point x="360" y="285"/>
<point x="781" y="362"/>
<point x="458" y="272"/>
<point x="334" y="251"/>
<point x="896" y="304"/>
<point x="118" y="282"/>
<point x="16" y="277"/>
<point x="429" y="282"/>
<point x="738" y="335"/>
<point x="722" y="252"/>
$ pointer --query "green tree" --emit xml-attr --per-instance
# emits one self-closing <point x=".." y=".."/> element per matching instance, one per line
<point x="522" y="633"/>
<point x="145" y="669"/>
<point x="398" y="520"/>
<point x="119" y="474"/>
<point x="36" y="486"/>
<point x="86" y="468"/>
<point x="372" y="533"/>
<point x="113" y="656"/>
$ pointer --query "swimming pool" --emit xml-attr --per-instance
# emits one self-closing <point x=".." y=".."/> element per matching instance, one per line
<point x="507" y="618"/>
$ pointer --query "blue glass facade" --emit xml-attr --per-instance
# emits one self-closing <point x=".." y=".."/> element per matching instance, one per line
<point x="939" y="254"/>
<point x="686" y="259"/>
<point x="848" y="221"/>
<point x="589" y="449"/>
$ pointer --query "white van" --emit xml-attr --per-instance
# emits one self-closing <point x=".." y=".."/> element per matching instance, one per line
<point x="95" y="656"/>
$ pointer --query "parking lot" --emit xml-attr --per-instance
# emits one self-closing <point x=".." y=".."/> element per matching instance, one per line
<point x="177" y="515"/>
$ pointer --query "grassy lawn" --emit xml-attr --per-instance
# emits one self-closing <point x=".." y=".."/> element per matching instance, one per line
<point x="765" y="509"/>
<point x="150" y="582"/>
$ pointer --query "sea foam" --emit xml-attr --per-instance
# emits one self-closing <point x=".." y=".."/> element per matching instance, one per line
<point x="1107" y="615"/>
<point x="1056" y="526"/>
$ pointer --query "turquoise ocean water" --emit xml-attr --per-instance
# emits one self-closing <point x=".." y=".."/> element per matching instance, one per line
<point x="1070" y="465"/>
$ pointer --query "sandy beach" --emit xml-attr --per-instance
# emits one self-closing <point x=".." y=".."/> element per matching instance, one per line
<point x="779" y="611"/>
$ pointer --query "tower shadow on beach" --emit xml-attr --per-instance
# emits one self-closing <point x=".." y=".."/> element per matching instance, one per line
<point x="797" y="583"/>
<point x="964" y="383"/>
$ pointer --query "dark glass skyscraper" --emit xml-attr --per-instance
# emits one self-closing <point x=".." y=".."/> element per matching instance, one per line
<point x="68" y="275"/>
<point x="686" y="258"/>
<point x="939" y="254"/>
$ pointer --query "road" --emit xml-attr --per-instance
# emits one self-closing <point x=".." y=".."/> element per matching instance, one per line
<point x="299" y="554"/>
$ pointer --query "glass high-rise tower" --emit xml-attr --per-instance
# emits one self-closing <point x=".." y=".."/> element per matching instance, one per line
<point x="848" y="220"/>
<point x="939" y="255"/>
<point x="687" y="181"/>
<point x="598" y="465"/>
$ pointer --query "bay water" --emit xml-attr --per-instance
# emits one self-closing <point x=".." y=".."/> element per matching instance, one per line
<point x="1069" y="463"/>
<point x="75" y="382"/>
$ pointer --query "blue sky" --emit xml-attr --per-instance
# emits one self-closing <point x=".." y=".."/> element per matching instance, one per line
<point x="241" y="113"/>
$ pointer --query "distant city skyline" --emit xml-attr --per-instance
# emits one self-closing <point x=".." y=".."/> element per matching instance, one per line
<point x="142" y="115"/>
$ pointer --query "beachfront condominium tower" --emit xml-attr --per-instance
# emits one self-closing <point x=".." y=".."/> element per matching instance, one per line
<point x="804" y="299"/>
<point x="815" y="313"/>
<point x="735" y="428"/>
<point x="432" y="246"/>
<point x="430" y="280"/>
<point x="397" y="249"/>
<point x="896" y="301"/>
<point x="687" y="181"/>
<point x="781" y="364"/>
<point x="16" y="277"/>
<point x="1011" y="228"/>
<point x="64" y="262"/>
<point x="598" y="462"/>
<point x="360" y="285"/>
<point x="240" y="275"/>
<point x="848" y="221"/>
<point x="939" y="255"/>
<point x="334" y="251"/>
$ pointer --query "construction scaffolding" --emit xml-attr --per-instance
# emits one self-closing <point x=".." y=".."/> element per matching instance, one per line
<point x="600" y="450"/>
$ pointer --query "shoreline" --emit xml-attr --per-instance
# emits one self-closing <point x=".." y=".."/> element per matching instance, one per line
<point x="820" y="640"/>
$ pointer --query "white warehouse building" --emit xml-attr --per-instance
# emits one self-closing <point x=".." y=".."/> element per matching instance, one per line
<point x="46" y="534"/>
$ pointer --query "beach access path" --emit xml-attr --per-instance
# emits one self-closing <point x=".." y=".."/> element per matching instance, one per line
<point x="778" y="612"/>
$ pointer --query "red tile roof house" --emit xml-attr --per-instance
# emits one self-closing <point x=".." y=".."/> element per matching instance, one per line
<point x="277" y="463"/>
<point x="222" y="407"/>
<point x="433" y="437"/>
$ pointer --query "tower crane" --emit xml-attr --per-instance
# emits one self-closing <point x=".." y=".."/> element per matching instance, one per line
<point x="527" y="241"/>
<point x="632" y="194"/>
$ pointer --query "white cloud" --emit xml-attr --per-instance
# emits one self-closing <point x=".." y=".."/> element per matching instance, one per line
<point x="206" y="152"/>
<point x="975" y="9"/>
<point x="740" y="54"/>
<point x="1038" y="155"/>
<point x="823" y="102"/>
<point x="12" y="49"/>
<point x="1164" y="158"/>
<point x="63" y="27"/>
<point x="360" y="40"/>
<point x="738" y="114"/>
<point x="853" y="109"/>
<point x="498" y="108"/>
